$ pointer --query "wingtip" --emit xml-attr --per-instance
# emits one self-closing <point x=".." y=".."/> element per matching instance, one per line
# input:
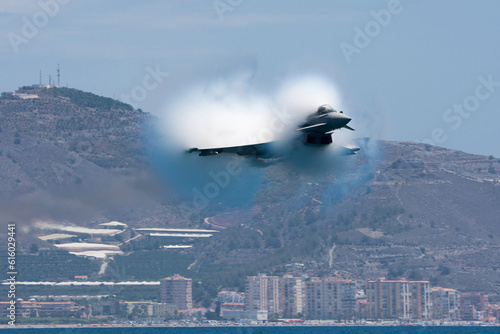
<point x="191" y="150"/>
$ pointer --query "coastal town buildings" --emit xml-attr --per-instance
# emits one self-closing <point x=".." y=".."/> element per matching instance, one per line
<point x="34" y="309"/>
<point x="473" y="305"/>
<point x="231" y="300"/>
<point x="276" y="298"/>
<point x="231" y="297"/>
<point x="146" y="309"/>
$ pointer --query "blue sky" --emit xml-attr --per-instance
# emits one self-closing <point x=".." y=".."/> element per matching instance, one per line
<point x="428" y="71"/>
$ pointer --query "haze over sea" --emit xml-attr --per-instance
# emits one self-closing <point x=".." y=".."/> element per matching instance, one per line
<point x="268" y="330"/>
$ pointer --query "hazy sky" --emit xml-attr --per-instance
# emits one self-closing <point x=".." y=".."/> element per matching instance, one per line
<point x="405" y="70"/>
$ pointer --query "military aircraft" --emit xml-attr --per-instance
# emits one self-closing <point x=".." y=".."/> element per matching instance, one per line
<point x="316" y="131"/>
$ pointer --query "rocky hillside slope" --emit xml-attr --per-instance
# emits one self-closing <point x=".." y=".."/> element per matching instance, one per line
<point x="395" y="209"/>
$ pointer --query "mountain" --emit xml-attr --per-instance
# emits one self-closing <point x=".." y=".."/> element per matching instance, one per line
<point x="104" y="131"/>
<point x="73" y="156"/>
<point x="395" y="209"/>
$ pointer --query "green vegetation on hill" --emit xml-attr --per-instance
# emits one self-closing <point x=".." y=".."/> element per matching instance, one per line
<point x="144" y="265"/>
<point x="51" y="265"/>
<point x="122" y="292"/>
<point x="88" y="100"/>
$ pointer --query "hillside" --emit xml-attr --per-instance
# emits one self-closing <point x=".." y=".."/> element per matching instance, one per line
<point x="395" y="209"/>
<point x="421" y="212"/>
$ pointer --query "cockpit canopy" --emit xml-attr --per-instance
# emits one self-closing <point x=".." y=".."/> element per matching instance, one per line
<point x="324" y="109"/>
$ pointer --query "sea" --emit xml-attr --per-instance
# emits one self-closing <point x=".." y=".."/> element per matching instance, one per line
<point x="265" y="330"/>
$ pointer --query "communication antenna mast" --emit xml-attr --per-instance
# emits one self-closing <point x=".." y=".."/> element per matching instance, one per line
<point x="50" y="79"/>
<point x="58" y="76"/>
<point x="40" y="77"/>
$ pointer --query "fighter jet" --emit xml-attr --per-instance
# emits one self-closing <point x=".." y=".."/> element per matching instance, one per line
<point x="316" y="131"/>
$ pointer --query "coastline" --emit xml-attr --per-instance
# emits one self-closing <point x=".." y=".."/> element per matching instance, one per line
<point x="239" y="325"/>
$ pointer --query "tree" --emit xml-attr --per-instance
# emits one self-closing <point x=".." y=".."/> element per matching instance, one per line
<point x="217" y="309"/>
<point x="415" y="275"/>
<point x="214" y="315"/>
<point x="34" y="248"/>
<point x="273" y="242"/>
<point x="395" y="272"/>
<point x="443" y="270"/>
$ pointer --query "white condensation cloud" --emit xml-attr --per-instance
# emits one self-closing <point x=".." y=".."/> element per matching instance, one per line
<point x="223" y="112"/>
<point x="227" y="112"/>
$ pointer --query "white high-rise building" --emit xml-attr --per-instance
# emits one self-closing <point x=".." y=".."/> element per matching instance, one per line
<point x="262" y="293"/>
<point x="177" y="290"/>
<point x="293" y="296"/>
<point x="330" y="298"/>
<point x="446" y="304"/>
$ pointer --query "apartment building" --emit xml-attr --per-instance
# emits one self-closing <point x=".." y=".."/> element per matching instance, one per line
<point x="388" y="299"/>
<point x="446" y="304"/>
<point x="471" y="303"/>
<point x="293" y="296"/>
<point x="420" y="300"/>
<point x="177" y="290"/>
<point x="399" y="299"/>
<point x="262" y="293"/>
<point x="330" y="298"/>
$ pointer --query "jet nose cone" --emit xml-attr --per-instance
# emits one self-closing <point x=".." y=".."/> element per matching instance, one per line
<point x="341" y="118"/>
